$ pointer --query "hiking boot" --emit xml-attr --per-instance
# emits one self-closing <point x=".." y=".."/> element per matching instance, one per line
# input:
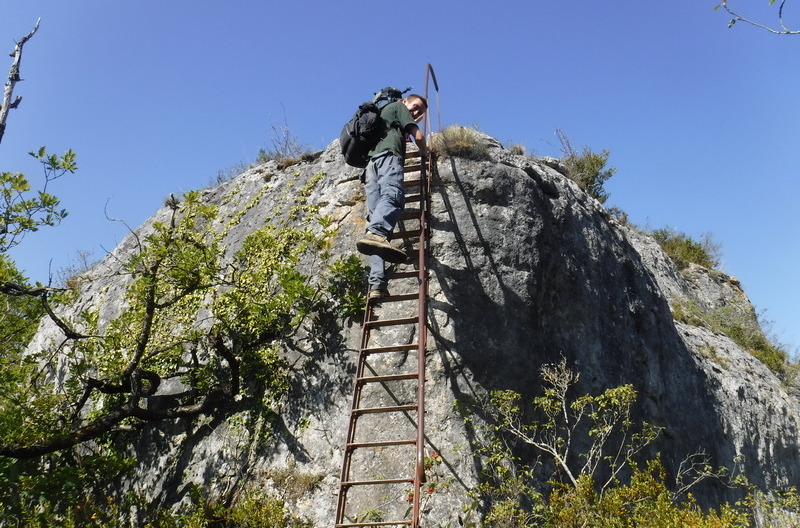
<point x="373" y="244"/>
<point x="378" y="293"/>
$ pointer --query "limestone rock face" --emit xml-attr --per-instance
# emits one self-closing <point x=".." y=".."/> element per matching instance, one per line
<point x="525" y="269"/>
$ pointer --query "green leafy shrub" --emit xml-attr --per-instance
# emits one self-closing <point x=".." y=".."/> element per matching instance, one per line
<point x="19" y="316"/>
<point x="744" y="330"/>
<point x="682" y="249"/>
<point x="71" y="492"/>
<point x="347" y="285"/>
<point x="587" y="168"/>
<point x="512" y="494"/>
<point x="460" y="142"/>
<point x="645" y="502"/>
<point x="254" y="509"/>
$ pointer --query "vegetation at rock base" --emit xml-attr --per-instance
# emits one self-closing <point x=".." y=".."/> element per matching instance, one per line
<point x="567" y="487"/>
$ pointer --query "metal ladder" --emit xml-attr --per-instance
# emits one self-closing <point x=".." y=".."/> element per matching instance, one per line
<point x="379" y="484"/>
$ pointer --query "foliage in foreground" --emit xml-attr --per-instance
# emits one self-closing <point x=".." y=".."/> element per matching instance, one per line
<point x="211" y="325"/>
<point x="565" y="487"/>
<point x="81" y="502"/>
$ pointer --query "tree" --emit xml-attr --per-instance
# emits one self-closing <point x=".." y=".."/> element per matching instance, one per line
<point x="603" y="419"/>
<point x="13" y="79"/>
<point x="206" y="324"/>
<point x="588" y="441"/>
<point x="781" y="30"/>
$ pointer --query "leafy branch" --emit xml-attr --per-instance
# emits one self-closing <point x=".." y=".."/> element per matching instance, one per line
<point x="23" y="210"/>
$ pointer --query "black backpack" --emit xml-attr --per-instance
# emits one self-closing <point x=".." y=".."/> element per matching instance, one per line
<point x="366" y="128"/>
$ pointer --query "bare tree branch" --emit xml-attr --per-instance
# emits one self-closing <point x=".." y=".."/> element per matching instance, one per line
<point x="13" y="78"/>
<point x="784" y="30"/>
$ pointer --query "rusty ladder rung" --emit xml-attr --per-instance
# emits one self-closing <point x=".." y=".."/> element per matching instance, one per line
<point x="391" y="322"/>
<point x="412" y="274"/>
<point x="393" y="348"/>
<point x="397" y="298"/>
<point x="376" y="481"/>
<point x="411" y="233"/>
<point x="387" y="377"/>
<point x="384" y="443"/>
<point x="410" y="214"/>
<point x="389" y="409"/>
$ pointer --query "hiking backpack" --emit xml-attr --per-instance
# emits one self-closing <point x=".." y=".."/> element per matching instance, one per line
<point x="365" y="128"/>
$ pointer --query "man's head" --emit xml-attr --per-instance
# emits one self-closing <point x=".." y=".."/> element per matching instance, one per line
<point x="417" y="105"/>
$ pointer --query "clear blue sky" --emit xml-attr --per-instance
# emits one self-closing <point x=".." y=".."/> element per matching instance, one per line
<point x="157" y="96"/>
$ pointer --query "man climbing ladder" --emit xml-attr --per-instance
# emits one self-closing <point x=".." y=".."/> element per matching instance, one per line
<point x="384" y="186"/>
<point x="383" y="463"/>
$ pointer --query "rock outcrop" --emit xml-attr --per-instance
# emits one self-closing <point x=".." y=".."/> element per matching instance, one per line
<point x="526" y="269"/>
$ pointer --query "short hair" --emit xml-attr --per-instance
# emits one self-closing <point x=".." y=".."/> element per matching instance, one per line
<point x="417" y="96"/>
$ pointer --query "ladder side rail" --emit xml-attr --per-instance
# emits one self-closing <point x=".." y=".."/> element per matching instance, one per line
<point x="419" y="474"/>
<point x="353" y="417"/>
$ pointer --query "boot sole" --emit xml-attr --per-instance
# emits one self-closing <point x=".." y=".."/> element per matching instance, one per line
<point x="393" y="255"/>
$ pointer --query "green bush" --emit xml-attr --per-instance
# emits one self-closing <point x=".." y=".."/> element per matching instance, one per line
<point x="683" y="250"/>
<point x="71" y="491"/>
<point x="742" y="329"/>
<point x="645" y="502"/>
<point x="587" y="168"/>
<point x="254" y="509"/>
<point x="347" y="285"/>
<point x="511" y="492"/>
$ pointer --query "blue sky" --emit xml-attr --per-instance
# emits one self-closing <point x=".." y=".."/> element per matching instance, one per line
<point x="157" y="96"/>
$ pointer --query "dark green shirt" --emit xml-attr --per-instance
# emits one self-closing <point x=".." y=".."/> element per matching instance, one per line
<point x="396" y="118"/>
